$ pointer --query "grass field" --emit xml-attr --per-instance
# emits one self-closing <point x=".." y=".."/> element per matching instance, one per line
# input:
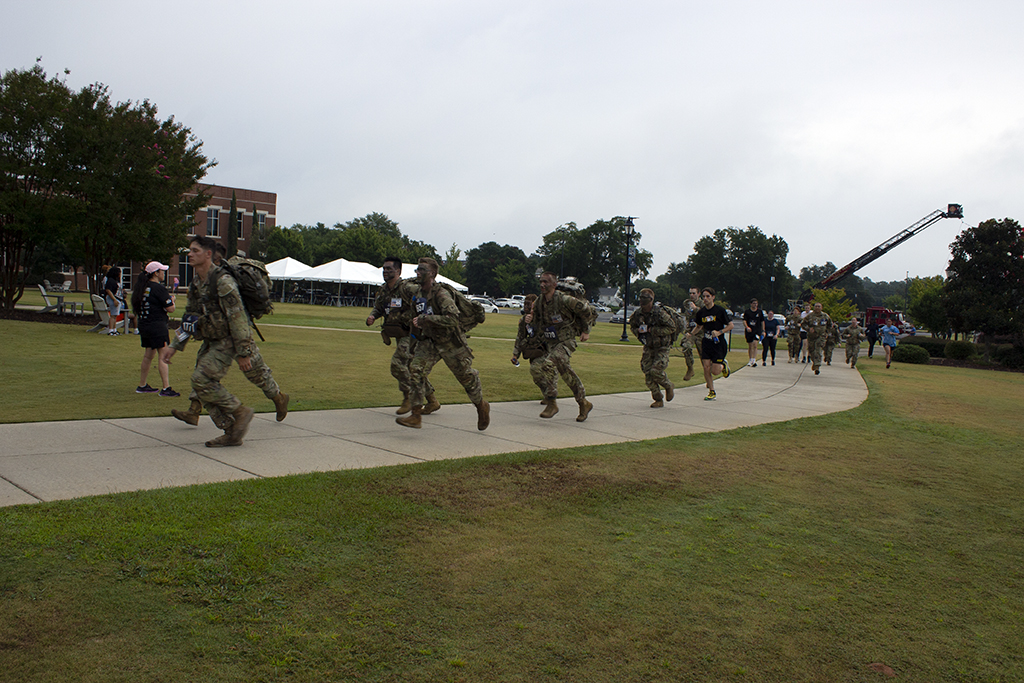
<point x="835" y="548"/>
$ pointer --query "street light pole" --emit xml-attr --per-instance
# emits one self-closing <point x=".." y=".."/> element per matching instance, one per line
<point x="625" y="300"/>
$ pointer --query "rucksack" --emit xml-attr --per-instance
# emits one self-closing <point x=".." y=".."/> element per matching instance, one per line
<point x="575" y="288"/>
<point x="677" y="319"/>
<point x="471" y="313"/>
<point x="253" y="284"/>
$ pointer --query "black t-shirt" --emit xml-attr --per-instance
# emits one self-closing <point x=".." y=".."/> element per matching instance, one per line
<point x="155" y="301"/>
<point x="111" y="284"/>
<point x="771" y="327"/>
<point x="712" y="319"/>
<point x="754" y="320"/>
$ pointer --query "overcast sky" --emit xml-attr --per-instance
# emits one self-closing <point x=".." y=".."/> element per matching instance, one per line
<point x="831" y="124"/>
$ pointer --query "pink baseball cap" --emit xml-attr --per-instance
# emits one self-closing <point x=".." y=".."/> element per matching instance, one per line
<point x="154" y="266"/>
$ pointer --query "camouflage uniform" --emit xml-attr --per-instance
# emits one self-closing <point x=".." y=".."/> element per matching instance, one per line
<point x="439" y="338"/>
<point x="223" y="328"/>
<point x="394" y="305"/>
<point x="689" y="307"/>
<point x="656" y="337"/>
<point x="853" y="336"/>
<point x="831" y="339"/>
<point x="793" y="335"/>
<point x="817" y="325"/>
<point x="559" y="321"/>
<point x="526" y="332"/>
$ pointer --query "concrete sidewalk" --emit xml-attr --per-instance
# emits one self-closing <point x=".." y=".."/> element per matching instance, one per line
<point x="44" y="461"/>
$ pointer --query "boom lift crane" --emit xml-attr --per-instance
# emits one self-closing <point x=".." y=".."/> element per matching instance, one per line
<point x="952" y="211"/>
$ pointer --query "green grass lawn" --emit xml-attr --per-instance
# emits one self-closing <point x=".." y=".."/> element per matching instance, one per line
<point x="891" y="534"/>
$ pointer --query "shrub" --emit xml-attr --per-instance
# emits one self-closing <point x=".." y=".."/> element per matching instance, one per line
<point x="934" y="347"/>
<point x="959" y="350"/>
<point x="910" y="353"/>
<point x="1010" y="357"/>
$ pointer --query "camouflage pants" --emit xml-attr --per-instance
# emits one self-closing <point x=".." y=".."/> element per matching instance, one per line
<point x="459" y="360"/>
<point x="400" y="362"/>
<point x="816" y="347"/>
<point x="852" y="352"/>
<point x="793" y="342"/>
<point x="829" y="348"/>
<point x="688" y="348"/>
<point x="546" y="369"/>
<point x="654" y="364"/>
<point x="212" y="363"/>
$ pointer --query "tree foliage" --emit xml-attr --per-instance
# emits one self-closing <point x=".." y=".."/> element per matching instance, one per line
<point x="106" y="179"/>
<point x="926" y="307"/>
<point x="483" y="263"/>
<point x="596" y="255"/>
<point x="986" y="277"/>
<point x="834" y="302"/>
<point x="451" y="267"/>
<point x="740" y="265"/>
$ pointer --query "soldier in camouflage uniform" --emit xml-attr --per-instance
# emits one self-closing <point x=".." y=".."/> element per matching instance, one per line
<point x="526" y="337"/>
<point x="853" y="335"/>
<point x="793" y="340"/>
<point x="831" y="339"/>
<point x="394" y="304"/>
<point x="816" y="323"/>
<point x="688" y="343"/>
<point x="438" y="336"/>
<point x="256" y="376"/>
<point x="223" y="326"/>
<point x="559" y="317"/>
<point x="655" y="329"/>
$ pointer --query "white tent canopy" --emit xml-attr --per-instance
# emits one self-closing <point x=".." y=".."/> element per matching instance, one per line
<point x="286" y="268"/>
<point x="342" y="270"/>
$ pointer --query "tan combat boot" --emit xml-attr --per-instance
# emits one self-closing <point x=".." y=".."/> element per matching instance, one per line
<point x="658" y="402"/>
<point x="281" y="403"/>
<point x="689" y="373"/>
<point x="483" y="415"/>
<point x="406" y="405"/>
<point x="433" y="405"/>
<point x="670" y="392"/>
<point x="415" y="420"/>
<point x="550" y="408"/>
<point x="191" y="416"/>
<point x="585" y="409"/>
<point x="243" y="416"/>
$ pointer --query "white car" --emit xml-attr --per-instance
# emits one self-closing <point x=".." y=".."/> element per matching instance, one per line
<point x="488" y="304"/>
<point x="508" y="303"/>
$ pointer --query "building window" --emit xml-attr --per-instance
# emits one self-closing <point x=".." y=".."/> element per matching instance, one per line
<point x="213" y="222"/>
<point x="263" y="223"/>
<point x="241" y="233"/>
<point x="190" y="225"/>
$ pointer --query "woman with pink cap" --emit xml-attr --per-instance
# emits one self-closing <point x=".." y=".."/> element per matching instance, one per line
<point x="151" y="303"/>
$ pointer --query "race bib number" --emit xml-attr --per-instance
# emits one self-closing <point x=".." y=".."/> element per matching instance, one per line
<point x="550" y="333"/>
<point x="423" y="308"/>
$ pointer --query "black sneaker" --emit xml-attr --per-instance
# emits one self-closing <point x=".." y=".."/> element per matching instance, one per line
<point x="168" y="392"/>
<point x="146" y="390"/>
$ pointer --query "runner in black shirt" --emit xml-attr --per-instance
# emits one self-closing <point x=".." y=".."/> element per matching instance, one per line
<point x="714" y="323"/>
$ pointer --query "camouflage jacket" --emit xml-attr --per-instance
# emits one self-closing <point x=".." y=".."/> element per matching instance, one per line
<point x="854" y="334"/>
<point x="816" y="324"/>
<point x="438" y="314"/>
<point x="526" y="332"/>
<point x="394" y="304"/>
<point x="654" y="329"/>
<point x="218" y="303"/>
<point x="562" y="318"/>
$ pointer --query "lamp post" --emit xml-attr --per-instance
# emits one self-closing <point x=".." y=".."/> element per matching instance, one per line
<point x="625" y="300"/>
<point x="773" y="293"/>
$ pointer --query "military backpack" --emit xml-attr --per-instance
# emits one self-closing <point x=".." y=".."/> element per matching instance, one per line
<point x="471" y="313"/>
<point x="678" y="321"/>
<point x="253" y="284"/>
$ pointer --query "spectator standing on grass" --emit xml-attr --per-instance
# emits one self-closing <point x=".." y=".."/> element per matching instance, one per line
<point x="753" y="327"/>
<point x="888" y="332"/>
<point x="771" y="336"/>
<point x="111" y="294"/>
<point x="151" y="303"/>
<point x="714" y="323"/>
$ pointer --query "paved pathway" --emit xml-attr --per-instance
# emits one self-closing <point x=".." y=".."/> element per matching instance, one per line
<point x="44" y="461"/>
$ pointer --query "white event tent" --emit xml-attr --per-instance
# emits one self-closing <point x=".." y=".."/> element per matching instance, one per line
<point x="341" y="272"/>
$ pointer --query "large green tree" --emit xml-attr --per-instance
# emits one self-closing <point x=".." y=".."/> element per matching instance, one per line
<point x="483" y="262"/>
<point x="986" y="281"/>
<point x="451" y="266"/>
<point x="740" y="265"/>
<point x="926" y="307"/>
<point x="595" y="255"/>
<point x="33" y="170"/>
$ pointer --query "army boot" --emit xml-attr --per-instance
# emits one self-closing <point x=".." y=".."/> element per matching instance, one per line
<point x="658" y="402"/>
<point x="585" y="408"/>
<point x="670" y="392"/>
<point x="243" y="416"/>
<point x="550" y="408"/>
<point x="191" y="416"/>
<point x="483" y="415"/>
<point x="433" y="405"/>
<point x="689" y="374"/>
<point x="415" y="420"/>
<point x="281" y="403"/>
<point x="406" y="405"/>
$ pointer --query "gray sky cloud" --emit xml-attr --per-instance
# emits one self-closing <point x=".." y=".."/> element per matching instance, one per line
<point x="833" y="125"/>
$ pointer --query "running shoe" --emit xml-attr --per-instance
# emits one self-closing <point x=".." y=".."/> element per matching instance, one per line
<point x="710" y="396"/>
<point x="725" y="369"/>
<point x="146" y="390"/>
<point x="168" y="392"/>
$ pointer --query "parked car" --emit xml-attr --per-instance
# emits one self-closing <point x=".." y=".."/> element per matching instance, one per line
<point x="508" y="303"/>
<point x="618" y="318"/>
<point x="601" y="308"/>
<point x="487" y="302"/>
